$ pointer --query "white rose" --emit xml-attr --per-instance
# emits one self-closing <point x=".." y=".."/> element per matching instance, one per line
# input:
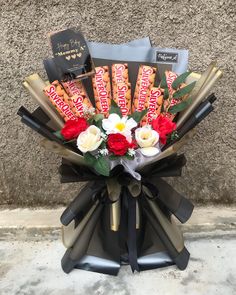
<point x="147" y="139"/>
<point x="90" y="139"/>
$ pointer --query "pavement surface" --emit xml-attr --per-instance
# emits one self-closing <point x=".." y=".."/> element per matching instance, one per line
<point x="30" y="257"/>
<point x="29" y="268"/>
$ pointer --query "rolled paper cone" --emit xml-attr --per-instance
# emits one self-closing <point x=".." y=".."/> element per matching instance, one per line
<point x="193" y="77"/>
<point x="176" y="203"/>
<point x="137" y="216"/>
<point x="204" y="92"/>
<point x="114" y="191"/>
<point x="135" y="188"/>
<point x="115" y="215"/>
<point x="200" y="91"/>
<point x="82" y="202"/>
<point x="70" y="233"/>
<point x="35" y="85"/>
<point x="63" y="152"/>
<point x="171" y="239"/>
<point x="81" y="244"/>
<point x="169" y="151"/>
<point x="79" y="249"/>
<point x="204" y="77"/>
<point x="173" y="233"/>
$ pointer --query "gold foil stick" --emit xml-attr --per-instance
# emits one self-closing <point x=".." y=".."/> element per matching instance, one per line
<point x="63" y="152"/>
<point x="35" y="85"/>
<point x="196" y="99"/>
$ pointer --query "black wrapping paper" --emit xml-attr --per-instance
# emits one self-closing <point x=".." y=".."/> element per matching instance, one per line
<point x="157" y="242"/>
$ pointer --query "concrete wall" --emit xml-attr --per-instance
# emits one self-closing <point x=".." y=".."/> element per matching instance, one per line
<point x="205" y="27"/>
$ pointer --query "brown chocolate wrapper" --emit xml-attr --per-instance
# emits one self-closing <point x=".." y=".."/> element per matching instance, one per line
<point x="102" y="90"/>
<point x="145" y="81"/>
<point x="61" y="100"/>
<point x="122" y="96"/>
<point x="79" y="97"/>
<point x="153" y="104"/>
<point x="120" y="73"/>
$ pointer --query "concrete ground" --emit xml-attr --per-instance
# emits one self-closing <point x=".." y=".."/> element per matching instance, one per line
<point x="30" y="253"/>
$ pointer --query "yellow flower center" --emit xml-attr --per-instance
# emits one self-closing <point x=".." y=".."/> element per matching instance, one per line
<point x="120" y="126"/>
<point x="145" y="135"/>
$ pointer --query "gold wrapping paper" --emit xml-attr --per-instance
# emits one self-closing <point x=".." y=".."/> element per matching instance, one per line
<point x="35" y="85"/>
<point x="200" y="91"/>
<point x="63" y="152"/>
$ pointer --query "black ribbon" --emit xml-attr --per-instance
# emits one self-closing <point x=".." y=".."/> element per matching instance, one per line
<point x="132" y="238"/>
<point x="160" y="192"/>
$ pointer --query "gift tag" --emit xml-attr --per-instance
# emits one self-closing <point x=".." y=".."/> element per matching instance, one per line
<point x="71" y="54"/>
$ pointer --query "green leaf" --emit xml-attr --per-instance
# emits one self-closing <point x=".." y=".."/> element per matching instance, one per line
<point x="98" y="117"/>
<point x="179" y="107"/>
<point x="90" y="121"/>
<point x="129" y="157"/>
<point x="137" y="116"/>
<point x="58" y="134"/>
<point x="183" y="91"/>
<point x="113" y="157"/>
<point x="162" y="108"/>
<point x="114" y="109"/>
<point x="89" y="158"/>
<point x="180" y="79"/>
<point x="163" y="83"/>
<point x="166" y="93"/>
<point x="101" y="165"/>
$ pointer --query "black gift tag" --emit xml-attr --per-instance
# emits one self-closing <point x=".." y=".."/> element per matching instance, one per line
<point x="71" y="54"/>
<point x="166" y="57"/>
<point x="53" y="71"/>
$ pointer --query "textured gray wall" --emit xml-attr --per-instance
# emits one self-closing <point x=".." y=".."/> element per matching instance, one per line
<point x="205" y="27"/>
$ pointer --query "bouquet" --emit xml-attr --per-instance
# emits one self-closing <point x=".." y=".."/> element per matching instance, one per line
<point x="118" y="124"/>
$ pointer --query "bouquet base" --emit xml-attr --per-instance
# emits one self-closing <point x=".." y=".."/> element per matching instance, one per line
<point x="147" y="236"/>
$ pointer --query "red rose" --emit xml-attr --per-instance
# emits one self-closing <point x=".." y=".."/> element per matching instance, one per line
<point x="163" y="126"/>
<point x="73" y="128"/>
<point x="118" y="144"/>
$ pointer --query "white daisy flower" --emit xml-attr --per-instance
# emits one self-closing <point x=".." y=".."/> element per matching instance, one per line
<point x="115" y="124"/>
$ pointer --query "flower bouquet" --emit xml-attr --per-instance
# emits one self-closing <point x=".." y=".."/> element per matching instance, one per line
<point x="121" y="139"/>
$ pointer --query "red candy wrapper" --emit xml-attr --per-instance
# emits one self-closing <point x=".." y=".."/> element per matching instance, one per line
<point x="102" y="90"/>
<point x="60" y="99"/>
<point x="145" y="81"/>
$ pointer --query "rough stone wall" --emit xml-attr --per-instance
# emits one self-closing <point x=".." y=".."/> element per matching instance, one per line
<point x="28" y="175"/>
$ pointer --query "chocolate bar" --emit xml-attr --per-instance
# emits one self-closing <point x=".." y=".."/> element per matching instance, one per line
<point x="145" y="81"/>
<point x="102" y="90"/>
<point x="80" y="101"/>
<point x="153" y="105"/>
<point x="60" y="99"/>
<point x="122" y="96"/>
<point x="170" y="77"/>
<point x="120" y="73"/>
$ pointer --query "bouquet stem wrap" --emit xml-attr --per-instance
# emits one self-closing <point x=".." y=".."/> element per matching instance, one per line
<point x="131" y="222"/>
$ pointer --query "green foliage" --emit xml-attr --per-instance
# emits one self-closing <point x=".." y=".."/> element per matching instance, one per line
<point x="138" y="116"/>
<point x="100" y="164"/>
<point x="163" y="83"/>
<point x="59" y="135"/>
<point x="115" y="109"/>
<point x="183" y="91"/>
<point x="179" y="107"/>
<point x="179" y="80"/>
<point x="166" y="93"/>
